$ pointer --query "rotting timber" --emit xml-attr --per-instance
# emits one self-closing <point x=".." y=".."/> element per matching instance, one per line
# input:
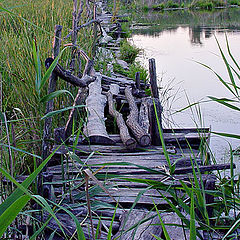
<point x="99" y="168"/>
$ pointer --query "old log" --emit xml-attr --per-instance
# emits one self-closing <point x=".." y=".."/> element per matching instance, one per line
<point x="154" y="116"/>
<point x="142" y="137"/>
<point x="127" y="140"/>
<point x="67" y="76"/>
<point x="95" y="129"/>
<point x="80" y="98"/>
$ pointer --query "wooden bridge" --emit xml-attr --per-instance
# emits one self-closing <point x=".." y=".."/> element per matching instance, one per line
<point x="99" y="176"/>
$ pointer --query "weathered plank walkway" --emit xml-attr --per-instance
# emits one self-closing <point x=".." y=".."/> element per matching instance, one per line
<point x="93" y="176"/>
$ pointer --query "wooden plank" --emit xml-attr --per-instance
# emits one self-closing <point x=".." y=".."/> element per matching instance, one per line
<point x="142" y="231"/>
<point x="204" y="168"/>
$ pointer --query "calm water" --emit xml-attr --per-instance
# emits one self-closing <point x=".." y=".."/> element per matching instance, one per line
<point x="177" y="41"/>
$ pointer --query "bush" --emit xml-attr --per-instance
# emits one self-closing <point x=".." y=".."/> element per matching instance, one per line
<point x="128" y="52"/>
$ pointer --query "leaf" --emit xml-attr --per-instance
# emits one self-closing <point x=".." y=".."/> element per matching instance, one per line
<point x="25" y="184"/>
<point x="37" y="65"/>
<point x="20" y="150"/>
<point x="228" y="67"/>
<point x="11" y="212"/>
<point x="39" y="199"/>
<point x="230" y="54"/>
<point x="52" y="95"/>
<point x="166" y="235"/>
<point x="50" y="69"/>
<point x="109" y="237"/>
<point x="224" y="101"/>
<point x="50" y="114"/>
<point x="193" y="235"/>
<point x="227" y="135"/>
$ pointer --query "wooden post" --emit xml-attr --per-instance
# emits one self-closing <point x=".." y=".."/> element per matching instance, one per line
<point x="77" y="12"/>
<point x="137" y="80"/>
<point x="153" y="78"/>
<point x="51" y="88"/>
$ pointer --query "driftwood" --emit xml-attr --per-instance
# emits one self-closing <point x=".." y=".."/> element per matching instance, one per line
<point x="95" y="128"/>
<point x="127" y="140"/>
<point x="142" y="137"/>
<point x="68" y="77"/>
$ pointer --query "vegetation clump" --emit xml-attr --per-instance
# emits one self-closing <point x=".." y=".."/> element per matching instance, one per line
<point x="128" y="51"/>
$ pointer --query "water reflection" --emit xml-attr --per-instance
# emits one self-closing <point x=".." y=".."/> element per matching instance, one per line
<point x="201" y="24"/>
<point x="177" y="42"/>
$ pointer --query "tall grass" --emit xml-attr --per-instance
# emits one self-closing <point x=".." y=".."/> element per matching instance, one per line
<point x="21" y="24"/>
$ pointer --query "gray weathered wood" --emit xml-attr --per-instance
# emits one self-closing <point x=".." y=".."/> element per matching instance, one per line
<point x="204" y="168"/>
<point x="144" y="230"/>
<point x="153" y="78"/>
<point x="154" y="117"/>
<point x="95" y="128"/>
<point x="127" y="140"/>
<point x="137" y="80"/>
<point x="68" y="77"/>
<point x="80" y="98"/>
<point x="142" y="137"/>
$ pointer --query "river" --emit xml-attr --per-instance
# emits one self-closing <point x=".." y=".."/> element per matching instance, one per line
<point x="179" y="41"/>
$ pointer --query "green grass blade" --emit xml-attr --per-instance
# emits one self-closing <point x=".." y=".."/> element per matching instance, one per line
<point x="227" y="135"/>
<point x="158" y="238"/>
<point x="109" y="237"/>
<point x="11" y="212"/>
<point x="39" y="199"/>
<point x="54" y="95"/>
<point x="25" y="184"/>
<point x="162" y="223"/>
<point x="193" y="235"/>
<point x="162" y="139"/>
<point x="37" y="65"/>
<point x="230" y="54"/>
<point x="228" y="68"/>
<point x="224" y="102"/>
<point x="50" y="114"/>
<point x="220" y="78"/>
